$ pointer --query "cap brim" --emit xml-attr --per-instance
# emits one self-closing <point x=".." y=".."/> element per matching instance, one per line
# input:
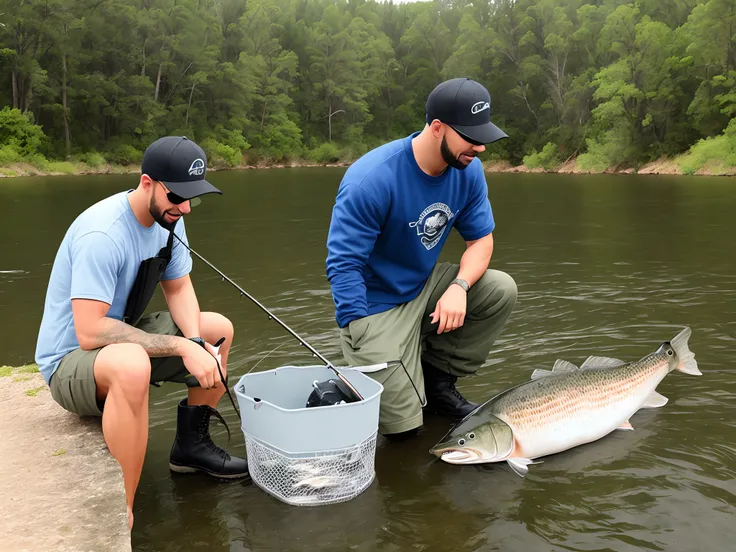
<point x="189" y="190"/>
<point x="484" y="134"/>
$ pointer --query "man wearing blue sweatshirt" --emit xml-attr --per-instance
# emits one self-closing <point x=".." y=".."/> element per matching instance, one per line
<point x="430" y="322"/>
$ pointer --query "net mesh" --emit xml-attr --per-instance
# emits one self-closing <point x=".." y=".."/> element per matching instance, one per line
<point x="315" y="478"/>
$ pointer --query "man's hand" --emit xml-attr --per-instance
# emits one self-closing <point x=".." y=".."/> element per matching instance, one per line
<point x="450" y="309"/>
<point x="201" y="363"/>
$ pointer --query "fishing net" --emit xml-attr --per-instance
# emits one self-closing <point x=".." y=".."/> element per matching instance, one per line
<point x="312" y="479"/>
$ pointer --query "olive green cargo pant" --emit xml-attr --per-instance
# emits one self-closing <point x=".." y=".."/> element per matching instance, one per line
<point x="406" y="333"/>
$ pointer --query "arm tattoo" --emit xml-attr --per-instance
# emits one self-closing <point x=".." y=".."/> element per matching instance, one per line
<point x="116" y="331"/>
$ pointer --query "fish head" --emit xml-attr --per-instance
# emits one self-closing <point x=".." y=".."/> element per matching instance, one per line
<point x="475" y="440"/>
<point x="665" y="354"/>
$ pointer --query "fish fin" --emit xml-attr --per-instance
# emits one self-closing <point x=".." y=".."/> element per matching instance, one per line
<point x="655" y="400"/>
<point x="687" y="364"/>
<point x="560" y="367"/>
<point x="601" y="362"/>
<point x="540" y="374"/>
<point x="626" y="426"/>
<point x="519" y="465"/>
<point x="563" y="366"/>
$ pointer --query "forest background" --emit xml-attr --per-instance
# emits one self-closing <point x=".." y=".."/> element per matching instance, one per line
<point x="578" y="86"/>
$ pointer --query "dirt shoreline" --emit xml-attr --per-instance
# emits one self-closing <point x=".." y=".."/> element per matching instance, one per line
<point x="659" y="167"/>
<point x="62" y="489"/>
<point x="24" y="169"/>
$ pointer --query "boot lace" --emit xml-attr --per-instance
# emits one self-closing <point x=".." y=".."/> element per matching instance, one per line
<point x="204" y="433"/>
<point x="454" y="390"/>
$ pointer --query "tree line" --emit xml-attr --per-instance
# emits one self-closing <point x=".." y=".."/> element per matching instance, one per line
<point x="607" y="82"/>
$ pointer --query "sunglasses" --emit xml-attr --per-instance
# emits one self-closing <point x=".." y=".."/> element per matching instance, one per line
<point x="171" y="196"/>
<point x="466" y="138"/>
<point x="469" y="140"/>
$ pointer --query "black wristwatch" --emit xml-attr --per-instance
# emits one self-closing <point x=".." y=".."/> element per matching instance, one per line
<point x="198" y="341"/>
<point x="462" y="283"/>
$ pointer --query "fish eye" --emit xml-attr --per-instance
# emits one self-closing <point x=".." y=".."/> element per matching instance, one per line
<point x="471" y="435"/>
<point x="461" y="442"/>
<point x="670" y="352"/>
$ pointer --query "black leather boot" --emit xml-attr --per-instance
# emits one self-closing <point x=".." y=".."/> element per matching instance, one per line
<point x="193" y="449"/>
<point x="442" y="397"/>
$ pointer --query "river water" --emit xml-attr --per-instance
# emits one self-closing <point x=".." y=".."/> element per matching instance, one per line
<point x="606" y="265"/>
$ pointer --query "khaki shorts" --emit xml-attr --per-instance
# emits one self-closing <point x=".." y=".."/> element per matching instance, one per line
<point x="73" y="384"/>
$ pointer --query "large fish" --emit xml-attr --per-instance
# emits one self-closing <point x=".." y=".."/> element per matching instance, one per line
<point x="564" y="408"/>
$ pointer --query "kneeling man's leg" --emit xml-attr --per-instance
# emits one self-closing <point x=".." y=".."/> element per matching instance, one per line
<point x="461" y="352"/>
<point x="388" y="337"/>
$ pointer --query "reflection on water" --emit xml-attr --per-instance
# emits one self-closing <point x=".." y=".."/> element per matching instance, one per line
<point x="605" y="265"/>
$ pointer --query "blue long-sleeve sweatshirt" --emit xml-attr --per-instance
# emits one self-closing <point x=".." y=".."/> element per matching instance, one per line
<point x="389" y="223"/>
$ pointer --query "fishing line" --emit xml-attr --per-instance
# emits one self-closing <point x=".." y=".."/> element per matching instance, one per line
<point x="264" y="358"/>
<point x="271" y="316"/>
<point x="401" y="362"/>
<point x="224" y="381"/>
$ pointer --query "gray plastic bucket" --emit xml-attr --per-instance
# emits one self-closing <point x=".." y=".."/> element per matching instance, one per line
<point x="308" y="456"/>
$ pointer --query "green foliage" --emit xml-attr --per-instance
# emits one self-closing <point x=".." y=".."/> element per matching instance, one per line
<point x="6" y="371"/>
<point x="221" y="155"/>
<point x="617" y="83"/>
<point x="93" y="159"/>
<point x="548" y="158"/>
<point x="8" y="155"/>
<point x="63" y="167"/>
<point x="281" y="138"/>
<point x="124" y="154"/>
<point x="39" y="161"/>
<point x="326" y="153"/>
<point x="716" y="153"/>
<point x="19" y="133"/>
<point x="596" y="159"/>
<point x="36" y="390"/>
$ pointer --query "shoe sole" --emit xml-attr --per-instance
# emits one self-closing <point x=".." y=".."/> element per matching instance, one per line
<point x="189" y="469"/>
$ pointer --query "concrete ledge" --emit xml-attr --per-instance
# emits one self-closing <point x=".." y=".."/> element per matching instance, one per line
<point x="61" y="488"/>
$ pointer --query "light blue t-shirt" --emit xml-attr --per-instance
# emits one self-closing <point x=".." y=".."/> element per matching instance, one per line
<point x="389" y="223"/>
<point x="99" y="259"/>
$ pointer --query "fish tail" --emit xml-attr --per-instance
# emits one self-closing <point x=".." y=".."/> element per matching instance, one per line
<point x="687" y="363"/>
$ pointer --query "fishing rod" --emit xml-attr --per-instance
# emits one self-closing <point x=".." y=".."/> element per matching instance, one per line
<point x="272" y="316"/>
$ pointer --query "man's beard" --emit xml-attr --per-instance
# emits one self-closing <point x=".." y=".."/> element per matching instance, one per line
<point x="159" y="215"/>
<point x="451" y="160"/>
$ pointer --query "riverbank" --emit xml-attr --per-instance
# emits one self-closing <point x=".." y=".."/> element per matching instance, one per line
<point x="76" y="169"/>
<point x="660" y="166"/>
<point x="62" y="490"/>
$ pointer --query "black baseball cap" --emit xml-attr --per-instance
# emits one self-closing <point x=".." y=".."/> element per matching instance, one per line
<point x="464" y="105"/>
<point x="180" y="164"/>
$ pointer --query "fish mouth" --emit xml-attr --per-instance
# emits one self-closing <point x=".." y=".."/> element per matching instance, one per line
<point x="459" y="456"/>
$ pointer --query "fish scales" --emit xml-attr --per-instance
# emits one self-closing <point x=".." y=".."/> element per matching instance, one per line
<point x="564" y="408"/>
<point x="575" y="400"/>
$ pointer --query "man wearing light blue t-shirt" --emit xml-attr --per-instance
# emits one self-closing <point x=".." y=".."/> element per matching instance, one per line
<point x="413" y="324"/>
<point x="98" y="351"/>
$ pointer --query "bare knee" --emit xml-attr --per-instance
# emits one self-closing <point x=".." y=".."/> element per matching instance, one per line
<point x="215" y="326"/>
<point x="125" y="369"/>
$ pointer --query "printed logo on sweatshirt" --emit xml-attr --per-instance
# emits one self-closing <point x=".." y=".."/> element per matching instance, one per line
<point x="432" y="224"/>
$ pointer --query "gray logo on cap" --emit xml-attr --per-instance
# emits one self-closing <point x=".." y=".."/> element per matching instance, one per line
<point x="479" y="106"/>
<point x="197" y="167"/>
